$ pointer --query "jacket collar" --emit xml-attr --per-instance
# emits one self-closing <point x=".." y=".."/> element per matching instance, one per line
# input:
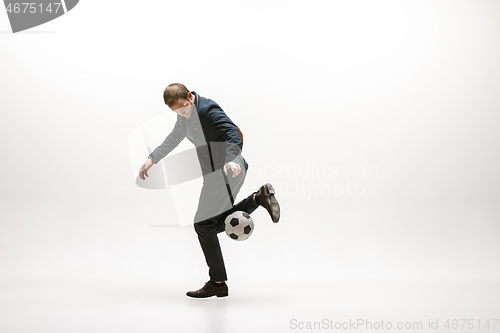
<point x="196" y="99"/>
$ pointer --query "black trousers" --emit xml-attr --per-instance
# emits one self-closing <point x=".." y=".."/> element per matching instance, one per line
<point x="215" y="204"/>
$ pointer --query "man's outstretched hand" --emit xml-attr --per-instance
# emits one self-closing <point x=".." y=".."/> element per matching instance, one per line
<point x="235" y="168"/>
<point x="145" y="167"/>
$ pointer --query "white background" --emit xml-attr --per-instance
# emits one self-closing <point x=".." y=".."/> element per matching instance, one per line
<point x="408" y="88"/>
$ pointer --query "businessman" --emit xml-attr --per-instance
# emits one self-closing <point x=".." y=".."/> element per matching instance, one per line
<point x="218" y="143"/>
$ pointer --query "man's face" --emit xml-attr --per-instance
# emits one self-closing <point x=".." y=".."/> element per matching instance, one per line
<point x="184" y="107"/>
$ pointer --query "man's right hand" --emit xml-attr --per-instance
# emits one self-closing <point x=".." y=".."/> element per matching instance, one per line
<point x="145" y="167"/>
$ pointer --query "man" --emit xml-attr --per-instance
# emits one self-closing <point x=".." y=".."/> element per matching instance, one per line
<point x="218" y="144"/>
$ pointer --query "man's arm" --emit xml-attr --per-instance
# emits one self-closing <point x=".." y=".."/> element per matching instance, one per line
<point x="221" y="123"/>
<point x="171" y="141"/>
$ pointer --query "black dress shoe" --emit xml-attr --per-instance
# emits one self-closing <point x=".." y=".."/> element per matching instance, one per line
<point x="209" y="290"/>
<point x="269" y="202"/>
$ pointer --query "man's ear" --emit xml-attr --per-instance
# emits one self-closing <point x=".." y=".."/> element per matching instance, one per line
<point x="191" y="97"/>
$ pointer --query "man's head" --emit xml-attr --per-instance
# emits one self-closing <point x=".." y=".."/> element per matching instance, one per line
<point x="179" y="99"/>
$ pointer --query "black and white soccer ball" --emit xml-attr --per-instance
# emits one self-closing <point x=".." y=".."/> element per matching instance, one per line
<point x="239" y="225"/>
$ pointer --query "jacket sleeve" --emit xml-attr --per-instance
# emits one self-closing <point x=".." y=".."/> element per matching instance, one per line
<point x="170" y="142"/>
<point x="220" y="122"/>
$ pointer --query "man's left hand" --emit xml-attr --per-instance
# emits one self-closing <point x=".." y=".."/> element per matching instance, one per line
<point x="235" y="168"/>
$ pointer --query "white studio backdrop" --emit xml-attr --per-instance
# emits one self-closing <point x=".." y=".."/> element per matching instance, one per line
<point x="376" y="121"/>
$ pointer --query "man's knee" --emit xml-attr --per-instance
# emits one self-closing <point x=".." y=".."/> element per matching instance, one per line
<point x="204" y="227"/>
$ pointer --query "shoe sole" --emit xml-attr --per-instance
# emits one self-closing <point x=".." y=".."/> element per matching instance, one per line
<point x="270" y="191"/>
<point x="218" y="295"/>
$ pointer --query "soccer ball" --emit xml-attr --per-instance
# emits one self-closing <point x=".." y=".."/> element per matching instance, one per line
<point x="239" y="225"/>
